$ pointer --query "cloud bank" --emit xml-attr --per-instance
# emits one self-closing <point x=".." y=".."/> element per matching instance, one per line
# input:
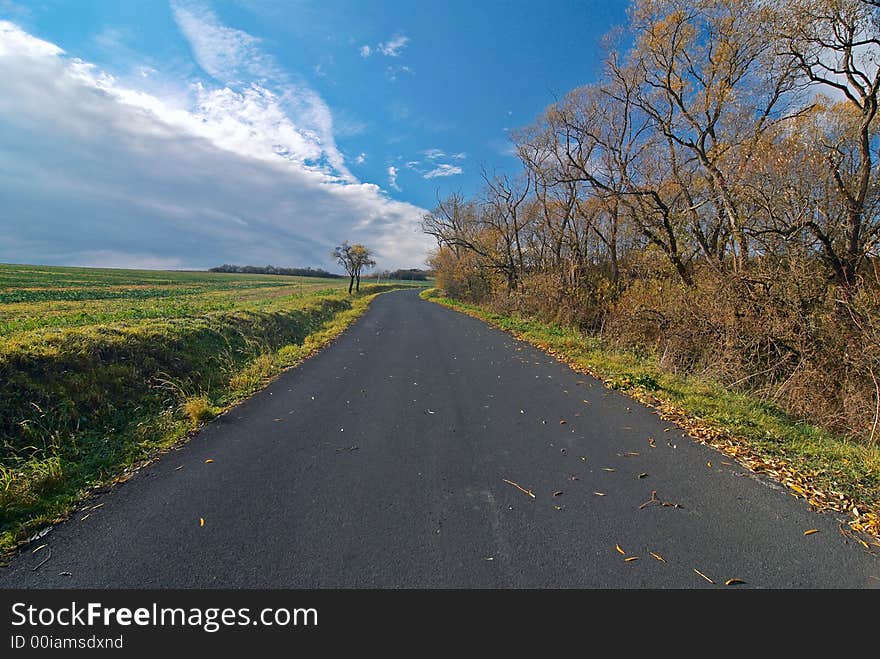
<point x="241" y="167"/>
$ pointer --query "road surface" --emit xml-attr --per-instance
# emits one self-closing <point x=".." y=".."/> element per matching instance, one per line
<point x="389" y="460"/>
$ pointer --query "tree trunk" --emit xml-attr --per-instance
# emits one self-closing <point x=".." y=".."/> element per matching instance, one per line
<point x="350" y="283"/>
<point x="357" y="286"/>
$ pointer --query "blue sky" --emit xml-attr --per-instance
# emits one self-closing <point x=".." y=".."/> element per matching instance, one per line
<point x="190" y="133"/>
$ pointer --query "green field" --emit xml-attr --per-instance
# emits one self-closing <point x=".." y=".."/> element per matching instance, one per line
<point x="101" y="369"/>
<point x="35" y="297"/>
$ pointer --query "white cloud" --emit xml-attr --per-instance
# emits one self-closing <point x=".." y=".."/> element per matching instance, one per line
<point x="443" y="170"/>
<point x="393" y="46"/>
<point x="434" y="154"/>
<point x="97" y="172"/>
<point x="365" y="51"/>
<point x="235" y="59"/>
<point x="392" y="177"/>
<point x="361" y="159"/>
<point x="227" y="54"/>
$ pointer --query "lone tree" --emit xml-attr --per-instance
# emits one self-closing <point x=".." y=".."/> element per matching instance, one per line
<point x="353" y="258"/>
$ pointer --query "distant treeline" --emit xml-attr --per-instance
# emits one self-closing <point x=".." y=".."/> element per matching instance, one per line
<point x="273" y="270"/>
<point x="409" y="274"/>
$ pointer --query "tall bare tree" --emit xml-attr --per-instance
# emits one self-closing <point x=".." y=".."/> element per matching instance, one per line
<point x="835" y="45"/>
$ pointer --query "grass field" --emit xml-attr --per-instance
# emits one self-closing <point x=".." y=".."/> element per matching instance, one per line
<point x="102" y="369"/>
<point x="36" y="297"/>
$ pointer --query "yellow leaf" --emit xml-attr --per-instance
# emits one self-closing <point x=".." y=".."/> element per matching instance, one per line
<point x="657" y="556"/>
<point x="619" y="550"/>
<point x="599" y="494"/>
<point x="201" y="521"/>
<point x="709" y="464"/>
<point x="630" y="559"/>
<point x="209" y="461"/>
<point x="731" y="582"/>
<point x="811" y="531"/>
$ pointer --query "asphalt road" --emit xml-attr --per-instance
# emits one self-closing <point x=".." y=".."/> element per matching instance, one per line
<point x="382" y="462"/>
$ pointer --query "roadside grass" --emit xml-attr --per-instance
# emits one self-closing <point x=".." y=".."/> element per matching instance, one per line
<point x="83" y="407"/>
<point x="829" y="471"/>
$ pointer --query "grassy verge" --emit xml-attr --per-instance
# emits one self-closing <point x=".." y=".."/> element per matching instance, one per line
<point x="83" y="407"/>
<point x="830" y="472"/>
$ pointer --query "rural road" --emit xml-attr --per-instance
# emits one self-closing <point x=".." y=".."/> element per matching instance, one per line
<point x="382" y="462"/>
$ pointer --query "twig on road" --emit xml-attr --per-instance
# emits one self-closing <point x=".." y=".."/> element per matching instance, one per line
<point x="520" y="488"/>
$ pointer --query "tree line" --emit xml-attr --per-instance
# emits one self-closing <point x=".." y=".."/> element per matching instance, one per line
<point x="712" y="198"/>
<point x="274" y="270"/>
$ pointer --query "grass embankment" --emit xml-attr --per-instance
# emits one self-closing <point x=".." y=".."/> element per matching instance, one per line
<point x="830" y="472"/>
<point x="82" y="405"/>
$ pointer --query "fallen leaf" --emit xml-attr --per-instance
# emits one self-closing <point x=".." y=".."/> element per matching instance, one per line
<point x="557" y="493"/>
<point x="599" y="494"/>
<point x="811" y="531"/>
<point x="608" y="469"/>
<point x="209" y="461"/>
<point x="39" y="548"/>
<point x="644" y="474"/>
<point x="732" y="582"/>
<point x="620" y="550"/>
<point x="559" y="507"/>
<point x="630" y="559"/>
<point x="709" y="464"/>
<point x="630" y="454"/>
<point x="704" y="576"/>
<point x="201" y="521"/>
<point x="279" y="420"/>
<point x="657" y="556"/>
<point x="563" y="422"/>
<point x="65" y="574"/>
<point x="178" y="468"/>
<point x="651" y="442"/>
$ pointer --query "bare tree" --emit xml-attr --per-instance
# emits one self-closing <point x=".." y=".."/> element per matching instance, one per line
<point x="835" y="45"/>
<point x="354" y="258"/>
